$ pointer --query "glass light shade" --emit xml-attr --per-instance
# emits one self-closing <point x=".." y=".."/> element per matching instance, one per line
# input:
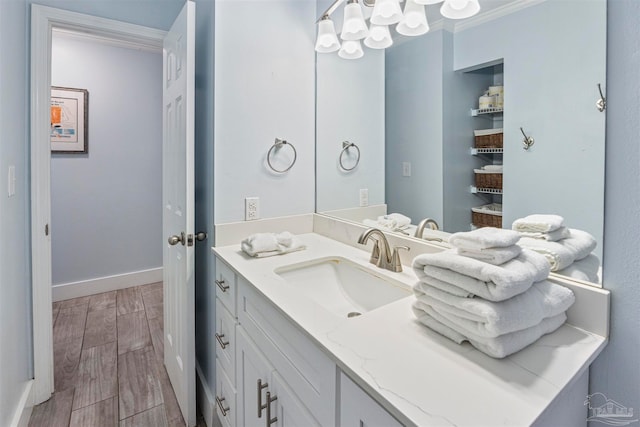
<point x="427" y="2"/>
<point x="379" y="37"/>
<point x="386" y="12"/>
<point x="327" y="40"/>
<point x="353" y="27"/>
<point x="459" y="9"/>
<point x="351" y="49"/>
<point x="414" y="21"/>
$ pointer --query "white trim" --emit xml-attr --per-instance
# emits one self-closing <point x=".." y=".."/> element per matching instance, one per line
<point x="25" y="406"/>
<point x="496" y="13"/>
<point x="107" y="41"/>
<point x="105" y="284"/>
<point x="206" y="401"/>
<point x="43" y="19"/>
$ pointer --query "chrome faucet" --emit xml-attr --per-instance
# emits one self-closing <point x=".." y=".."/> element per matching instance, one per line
<point x="433" y="225"/>
<point x="381" y="255"/>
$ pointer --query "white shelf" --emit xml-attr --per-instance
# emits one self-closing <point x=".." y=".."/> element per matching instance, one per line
<point x="475" y="151"/>
<point x="478" y="112"/>
<point x="475" y="189"/>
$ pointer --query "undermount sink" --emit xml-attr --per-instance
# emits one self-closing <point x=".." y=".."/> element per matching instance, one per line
<point x="343" y="287"/>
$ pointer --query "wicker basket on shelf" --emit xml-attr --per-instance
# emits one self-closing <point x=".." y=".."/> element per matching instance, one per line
<point x="486" y="179"/>
<point x="488" y="138"/>
<point x="487" y="215"/>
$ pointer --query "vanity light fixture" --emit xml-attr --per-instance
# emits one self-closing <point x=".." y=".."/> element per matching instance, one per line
<point x="327" y="40"/>
<point x="413" y="22"/>
<point x="353" y="27"/>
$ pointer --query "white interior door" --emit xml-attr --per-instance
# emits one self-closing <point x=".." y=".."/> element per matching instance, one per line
<point x="178" y="212"/>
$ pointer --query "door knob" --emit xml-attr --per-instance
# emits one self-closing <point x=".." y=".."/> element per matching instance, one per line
<point x="200" y="236"/>
<point x="175" y="239"/>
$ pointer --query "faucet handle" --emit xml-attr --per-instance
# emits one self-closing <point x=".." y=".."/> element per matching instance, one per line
<point x="396" y="265"/>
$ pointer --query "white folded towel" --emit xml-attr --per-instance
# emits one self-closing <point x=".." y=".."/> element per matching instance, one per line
<point x="484" y="238"/>
<point x="558" y="255"/>
<point x="580" y="242"/>
<point x="261" y="245"/>
<point x="495" y="256"/>
<point x="587" y="269"/>
<point x="552" y="236"/>
<point x="401" y="220"/>
<point x="478" y="317"/>
<point x="538" y="223"/>
<point x="496" y="168"/>
<point x="391" y="222"/>
<point x="498" y="347"/>
<point x="492" y="282"/>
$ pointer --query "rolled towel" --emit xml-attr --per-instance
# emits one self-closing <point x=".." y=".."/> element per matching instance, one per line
<point x="478" y="317"/>
<point x="552" y="236"/>
<point x="580" y="242"/>
<point x="495" y="256"/>
<point x="538" y="223"/>
<point x="498" y="347"/>
<point x="262" y="245"/>
<point x="491" y="282"/>
<point x="497" y="168"/>
<point x="484" y="238"/>
<point x="385" y="225"/>
<point x="587" y="269"/>
<point x="557" y="254"/>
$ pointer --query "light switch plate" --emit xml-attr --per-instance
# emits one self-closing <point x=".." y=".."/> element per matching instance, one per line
<point x="11" y="181"/>
<point x="406" y="168"/>
<point x="364" y="197"/>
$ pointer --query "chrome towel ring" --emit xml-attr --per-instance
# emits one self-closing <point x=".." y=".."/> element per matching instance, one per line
<point x="279" y="143"/>
<point x="345" y="148"/>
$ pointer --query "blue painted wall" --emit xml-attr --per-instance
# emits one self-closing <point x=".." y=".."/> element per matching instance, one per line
<point x="616" y="373"/>
<point x="106" y="206"/>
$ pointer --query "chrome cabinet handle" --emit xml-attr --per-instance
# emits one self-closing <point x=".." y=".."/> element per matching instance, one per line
<point x="221" y="342"/>
<point x="221" y="284"/>
<point x="221" y="406"/>
<point x="261" y="406"/>
<point x="269" y="400"/>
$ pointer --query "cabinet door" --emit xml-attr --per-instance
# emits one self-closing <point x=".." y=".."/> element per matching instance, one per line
<point x="253" y="376"/>
<point x="287" y="407"/>
<point x="358" y="409"/>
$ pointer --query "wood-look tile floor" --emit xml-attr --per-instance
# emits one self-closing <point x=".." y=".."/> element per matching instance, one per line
<point x="108" y="368"/>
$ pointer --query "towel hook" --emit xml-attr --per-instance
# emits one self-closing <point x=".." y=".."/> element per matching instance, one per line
<point x="601" y="103"/>
<point x="528" y="141"/>
<point x="279" y="143"/>
<point x="345" y="147"/>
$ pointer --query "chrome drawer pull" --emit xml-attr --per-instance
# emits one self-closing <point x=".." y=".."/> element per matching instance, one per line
<point x="261" y="406"/>
<point x="269" y="400"/>
<point x="221" y="406"/>
<point x="223" y="287"/>
<point x="221" y="342"/>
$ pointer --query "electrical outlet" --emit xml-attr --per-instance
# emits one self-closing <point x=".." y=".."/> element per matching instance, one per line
<point x="364" y="197"/>
<point x="251" y="208"/>
<point x="406" y="168"/>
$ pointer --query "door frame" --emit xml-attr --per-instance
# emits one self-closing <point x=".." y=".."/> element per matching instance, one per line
<point x="43" y="20"/>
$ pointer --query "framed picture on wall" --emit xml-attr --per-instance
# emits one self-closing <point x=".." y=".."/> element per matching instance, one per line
<point x="69" y="120"/>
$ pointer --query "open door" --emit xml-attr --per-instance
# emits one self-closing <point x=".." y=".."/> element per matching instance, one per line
<point x="178" y="208"/>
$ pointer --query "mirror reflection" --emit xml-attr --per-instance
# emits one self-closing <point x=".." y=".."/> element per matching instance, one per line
<point x="429" y="151"/>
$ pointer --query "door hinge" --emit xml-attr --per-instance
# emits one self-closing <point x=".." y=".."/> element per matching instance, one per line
<point x="46" y="229"/>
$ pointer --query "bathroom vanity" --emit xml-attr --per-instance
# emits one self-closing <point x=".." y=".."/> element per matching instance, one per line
<point x="286" y="356"/>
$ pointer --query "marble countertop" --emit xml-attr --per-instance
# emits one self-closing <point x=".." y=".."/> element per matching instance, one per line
<point x="420" y="377"/>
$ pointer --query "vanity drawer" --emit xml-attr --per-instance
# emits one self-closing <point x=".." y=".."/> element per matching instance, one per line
<point x="226" y="286"/>
<point x="225" y="398"/>
<point x="300" y="362"/>
<point x="225" y="340"/>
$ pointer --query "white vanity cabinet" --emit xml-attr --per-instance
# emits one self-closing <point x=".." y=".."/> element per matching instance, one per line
<point x="358" y="409"/>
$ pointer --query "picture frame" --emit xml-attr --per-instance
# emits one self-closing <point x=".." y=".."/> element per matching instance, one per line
<point x="69" y="120"/>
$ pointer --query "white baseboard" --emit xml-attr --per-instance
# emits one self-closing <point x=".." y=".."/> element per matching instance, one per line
<point x="25" y="407"/>
<point x="205" y="398"/>
<point x="105" y="284"/>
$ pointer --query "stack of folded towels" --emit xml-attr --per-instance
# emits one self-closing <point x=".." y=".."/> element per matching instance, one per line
<point x="567" y="250"/>
<point x="390" y="222"/>
<point x="488" y="291"/>
<point x="261" y="245"/>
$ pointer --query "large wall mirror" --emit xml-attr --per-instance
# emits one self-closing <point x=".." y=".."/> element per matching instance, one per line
<point x="411" y="111"/>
